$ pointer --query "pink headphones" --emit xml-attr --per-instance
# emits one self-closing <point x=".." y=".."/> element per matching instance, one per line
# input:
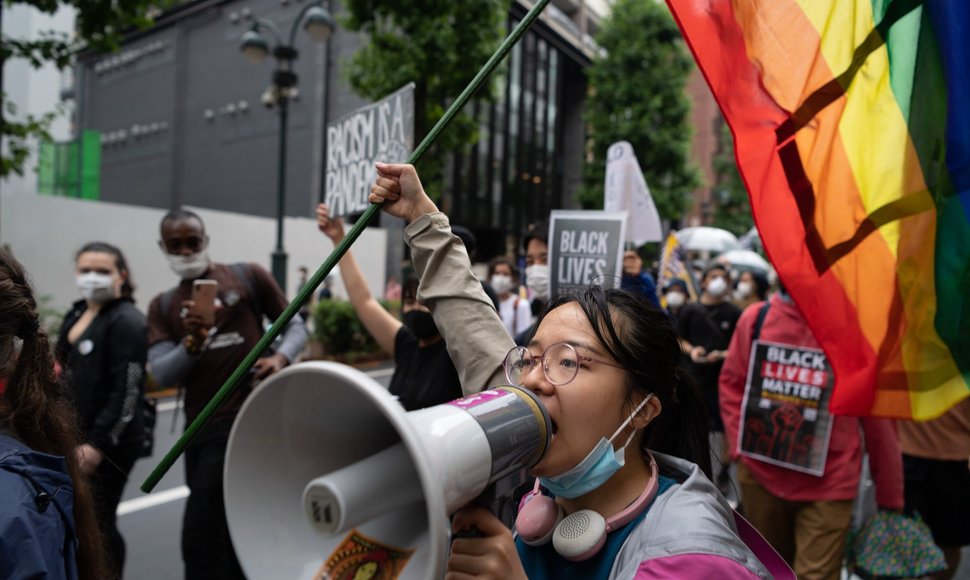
<point x="580" y="535"/>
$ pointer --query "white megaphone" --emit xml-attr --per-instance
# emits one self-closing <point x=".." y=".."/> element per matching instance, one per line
<point x="327" y="476"/>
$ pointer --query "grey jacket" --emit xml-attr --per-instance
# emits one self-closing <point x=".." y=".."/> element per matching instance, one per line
<point x="476" y="339"/>
<point x="690" y="519"/>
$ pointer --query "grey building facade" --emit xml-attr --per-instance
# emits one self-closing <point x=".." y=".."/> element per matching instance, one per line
<point x="182" y="122"/>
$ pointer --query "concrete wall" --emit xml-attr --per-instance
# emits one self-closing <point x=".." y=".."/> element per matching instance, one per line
<point x="45" y="232"/>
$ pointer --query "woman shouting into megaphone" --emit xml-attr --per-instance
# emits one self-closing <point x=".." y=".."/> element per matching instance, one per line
<point x="623" y="490"/>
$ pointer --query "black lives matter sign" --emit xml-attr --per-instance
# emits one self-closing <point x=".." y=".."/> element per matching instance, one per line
<point x="585" y="247"/>
<point x="785" y="416"/>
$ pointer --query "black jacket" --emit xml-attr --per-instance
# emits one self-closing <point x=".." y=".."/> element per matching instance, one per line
<point x="105" y="372"/>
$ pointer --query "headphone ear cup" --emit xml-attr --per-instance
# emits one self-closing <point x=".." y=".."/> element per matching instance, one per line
<point x="580" y="535"/>
<point x="537" y="519"/>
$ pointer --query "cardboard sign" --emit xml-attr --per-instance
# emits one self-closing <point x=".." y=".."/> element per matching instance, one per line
<point x="785" y="417"/>
<point x="585" y="247"/>
<point x="383" y="131"/>
<point x="627" y="190"/>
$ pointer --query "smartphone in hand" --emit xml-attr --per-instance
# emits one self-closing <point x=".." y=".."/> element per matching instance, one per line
<point x="204" y="300"/>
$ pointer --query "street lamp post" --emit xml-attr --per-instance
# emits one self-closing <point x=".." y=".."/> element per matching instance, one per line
<point x="319" y="24"/>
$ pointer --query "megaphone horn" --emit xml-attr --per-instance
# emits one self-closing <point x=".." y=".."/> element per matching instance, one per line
<point x="331" y="435"/>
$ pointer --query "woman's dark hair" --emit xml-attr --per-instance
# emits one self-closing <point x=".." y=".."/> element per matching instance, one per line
<point x="127" y="287"/>
<point x="36" y="408"/>
<point x="538" y="231"/>
<point x="503" y="260"/>
<point x="641" y="338"/>
<point x="760" y="283"/>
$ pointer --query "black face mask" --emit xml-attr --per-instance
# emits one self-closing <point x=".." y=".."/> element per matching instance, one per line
<point x="421" y="324"/>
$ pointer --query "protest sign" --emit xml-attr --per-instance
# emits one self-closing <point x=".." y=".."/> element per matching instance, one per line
<point x="785" y="417"/>
<point x="626" y="190"/>
<point x="584" y="247"/>
<point x="382" y="131"/>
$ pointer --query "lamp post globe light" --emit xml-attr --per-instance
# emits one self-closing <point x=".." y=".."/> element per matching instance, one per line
<point x="319" y="24"/>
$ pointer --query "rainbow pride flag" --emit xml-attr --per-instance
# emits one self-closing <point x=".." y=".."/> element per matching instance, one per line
<point x="851" y="121"/>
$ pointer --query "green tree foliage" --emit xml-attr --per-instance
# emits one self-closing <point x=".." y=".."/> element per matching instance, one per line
<point x="439" y="45"/>
<point x="637" y="95"/>
<point x="732" y="211"/>
<point x="99" y="26"/>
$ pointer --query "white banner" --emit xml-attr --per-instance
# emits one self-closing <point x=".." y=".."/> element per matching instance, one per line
<point x="626" y="190"/>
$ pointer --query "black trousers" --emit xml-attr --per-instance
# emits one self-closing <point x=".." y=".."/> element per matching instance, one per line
<point x="206" y="547"/>
<point x="107" y="484"/>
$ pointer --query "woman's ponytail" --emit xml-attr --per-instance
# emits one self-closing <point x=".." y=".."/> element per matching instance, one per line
<point x="682" y="428"/>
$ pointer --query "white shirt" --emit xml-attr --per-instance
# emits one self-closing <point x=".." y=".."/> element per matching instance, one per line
<point x="516" y="314"/>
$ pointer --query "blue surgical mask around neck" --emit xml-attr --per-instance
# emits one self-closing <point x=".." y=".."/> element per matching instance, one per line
<point x="596" y="468"/>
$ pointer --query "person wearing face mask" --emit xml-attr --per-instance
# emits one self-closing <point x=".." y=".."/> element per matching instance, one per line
<point x="751" y="287"/>
<point x="198" y="356"/>
<point x="536" y="245"/>
<point x="516" y="314"/>
<point x="621" y="491"/>
<point x="102" y="348"/>
<point x="805" y="516"/>
<point x="705" y="329"/>
<point x="424" y="375"/>
<point x="675" y="295"/>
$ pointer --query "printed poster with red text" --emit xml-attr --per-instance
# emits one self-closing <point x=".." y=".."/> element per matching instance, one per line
<point x="785" y="416"/>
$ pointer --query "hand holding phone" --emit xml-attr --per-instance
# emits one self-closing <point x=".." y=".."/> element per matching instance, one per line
<point x="204" y="301"/>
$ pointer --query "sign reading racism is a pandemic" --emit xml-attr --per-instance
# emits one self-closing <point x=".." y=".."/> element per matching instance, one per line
<point x="585" y="247"/>
<point x="382" y="131"/>
<point x="785" y="416"/>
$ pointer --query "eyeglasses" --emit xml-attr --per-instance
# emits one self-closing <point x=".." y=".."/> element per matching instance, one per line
<point x="193" y="244"/>
<point x="560" y="363"/>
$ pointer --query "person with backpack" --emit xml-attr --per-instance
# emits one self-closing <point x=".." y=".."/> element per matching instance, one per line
<point x="48" y="527"/>
<point x="799" y="465"/>
<point x="197" y="355"/>
<point x="102" y="348"/>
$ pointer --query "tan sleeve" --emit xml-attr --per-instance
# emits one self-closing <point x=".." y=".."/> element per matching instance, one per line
<point x="476" y="339"/>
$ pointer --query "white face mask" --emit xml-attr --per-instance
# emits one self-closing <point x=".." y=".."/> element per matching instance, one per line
<point x="717" y="287"/>
<point x="501" y="283"/>
<point x="676" y="299"/>
<point x="97" y="288"/>
<point x="744" y="289"/>
<point x="189" y="267"/>
<point x="537" y="280"/>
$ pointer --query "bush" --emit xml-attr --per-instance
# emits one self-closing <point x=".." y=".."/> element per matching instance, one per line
<point x="341" y="333"/>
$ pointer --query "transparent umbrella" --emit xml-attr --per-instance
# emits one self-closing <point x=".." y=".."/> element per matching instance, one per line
<point x="705" y="238"/>
<point x="745" y="259"/>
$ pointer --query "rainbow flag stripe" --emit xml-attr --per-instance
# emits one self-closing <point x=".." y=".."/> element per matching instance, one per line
<point x="851" y="121"/>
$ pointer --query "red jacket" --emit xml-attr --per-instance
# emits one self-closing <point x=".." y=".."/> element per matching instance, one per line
<point x="784" y="324"/>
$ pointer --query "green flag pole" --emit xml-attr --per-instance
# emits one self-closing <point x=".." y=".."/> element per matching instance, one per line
<point x="290" y="311"/>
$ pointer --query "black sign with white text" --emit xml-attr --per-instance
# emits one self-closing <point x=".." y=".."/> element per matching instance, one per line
<point x="785" y="416"/>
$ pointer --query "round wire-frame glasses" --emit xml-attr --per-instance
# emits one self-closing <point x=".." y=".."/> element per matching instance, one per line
<point x="560" y="363"/>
